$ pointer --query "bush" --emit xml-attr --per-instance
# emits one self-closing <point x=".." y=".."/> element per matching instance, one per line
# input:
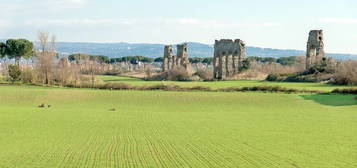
<point x="14" y="73"/>
<point x="175" y="74"/>
<point x="300" y="77"/>
<point x="276" y="77"/>
<point x="346" y="73"/>
<point x="245" y="65"/>
<point x="205" y="74"/>
<point x="346" y="91"/>
<point x="266" y="89"/>
<point x="26" y="75"/>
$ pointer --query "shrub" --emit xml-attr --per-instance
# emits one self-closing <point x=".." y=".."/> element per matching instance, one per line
<point x="275" y="77"/>
<point x="346" y="73"/>
<point x="14" y="73"/>
<point x="175" y="74"/>
<point x="26" y="75"/>
<point x="266" y="89"/>
<point x="245" y="65"/>
<point x="346" y="91"/>
<point x="300" y="77"/>
<point x="205" y="74"/>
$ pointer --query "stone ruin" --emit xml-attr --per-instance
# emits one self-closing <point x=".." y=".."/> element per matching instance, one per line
<point x="172" y="61"/>
<point x="228" y="58"/>
<point x="315" y="49"/>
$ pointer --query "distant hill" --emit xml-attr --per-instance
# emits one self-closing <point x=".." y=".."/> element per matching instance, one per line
<point x="156" y="50"/>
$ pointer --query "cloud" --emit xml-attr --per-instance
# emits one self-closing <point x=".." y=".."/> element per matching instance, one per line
<point x="339" y="20"/>
<point x="168" y="22"/>
<point x="38" y="7"/>
<point x="188" y="21"/>
<point x="76" y="22"/>
<point x="221" y="24"/>
<point x="66" y="3"/>
<point x="5" y="23"/>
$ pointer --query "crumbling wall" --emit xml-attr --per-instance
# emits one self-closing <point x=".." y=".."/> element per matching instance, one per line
<point x="182" y="55"/>
<point x="167" y="62"/>
<point x="315" y="49"/>
<point x="171" y="61"/>
<point x="228" y="58"/>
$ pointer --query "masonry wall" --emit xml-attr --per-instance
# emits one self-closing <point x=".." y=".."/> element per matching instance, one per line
<point x="315" y="48"/>
<point x="228" y="58"/>
<point x="171" y="61"/>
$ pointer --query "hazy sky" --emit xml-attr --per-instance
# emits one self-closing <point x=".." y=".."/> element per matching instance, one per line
<point x="264" y="23"/>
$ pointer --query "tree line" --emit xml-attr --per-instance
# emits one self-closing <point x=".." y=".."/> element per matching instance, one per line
<point x="206" y="60"/>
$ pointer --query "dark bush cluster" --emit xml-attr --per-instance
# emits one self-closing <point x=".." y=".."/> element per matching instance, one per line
<point x="300" y="77"/>
<point x="346" y="91"/>
<point x="276" y="77"/>
<point x="267" y="89"/>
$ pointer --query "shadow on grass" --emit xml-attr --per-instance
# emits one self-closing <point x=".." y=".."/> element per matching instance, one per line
<point x="121" y="80"/>
<point x="332" y="99"/>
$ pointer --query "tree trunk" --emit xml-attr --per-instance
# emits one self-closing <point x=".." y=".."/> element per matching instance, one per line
<point x="17" y="61"/>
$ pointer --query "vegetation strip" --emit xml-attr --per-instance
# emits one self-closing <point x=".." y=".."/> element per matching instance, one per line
<point x="173" y="87"/>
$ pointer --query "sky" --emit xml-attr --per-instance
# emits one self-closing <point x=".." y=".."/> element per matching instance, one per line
<point x="282" y="24"/>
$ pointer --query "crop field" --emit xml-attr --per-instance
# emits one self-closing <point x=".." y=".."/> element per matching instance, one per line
<point x="225" y="84"/>
<point x="153" y="129"/>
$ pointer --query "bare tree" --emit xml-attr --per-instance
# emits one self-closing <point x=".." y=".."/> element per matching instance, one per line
<point x="93" y="69"/>
<point x="45" y="57"/>
<point x="43" y="38"/>
<point x="63" y="71"/>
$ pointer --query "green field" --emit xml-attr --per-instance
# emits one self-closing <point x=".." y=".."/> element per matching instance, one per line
<point x="225" y="84"/>
<point x="175" y="129"/>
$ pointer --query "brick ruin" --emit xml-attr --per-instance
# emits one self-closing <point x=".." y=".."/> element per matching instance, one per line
<point x="315" y="49"/>
<point x="171" y="60"/>
<point x="228" y="58"/>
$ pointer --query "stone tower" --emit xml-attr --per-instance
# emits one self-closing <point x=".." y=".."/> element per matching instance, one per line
<point x="171" y="61"/>
<point x="182" y="55"/>
<point x="315" y="48"/>
<point x="169" y="58"/>
<point x="228" y="58"/>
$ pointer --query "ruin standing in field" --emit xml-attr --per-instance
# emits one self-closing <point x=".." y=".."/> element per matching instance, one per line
<point x="172" y="61"/>
<point x="228" y="58"/>
<point x="315" y="49"/>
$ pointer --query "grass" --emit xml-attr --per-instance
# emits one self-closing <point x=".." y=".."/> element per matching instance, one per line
<point x="227" y="84"/>
<point x="175" y="129"/>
